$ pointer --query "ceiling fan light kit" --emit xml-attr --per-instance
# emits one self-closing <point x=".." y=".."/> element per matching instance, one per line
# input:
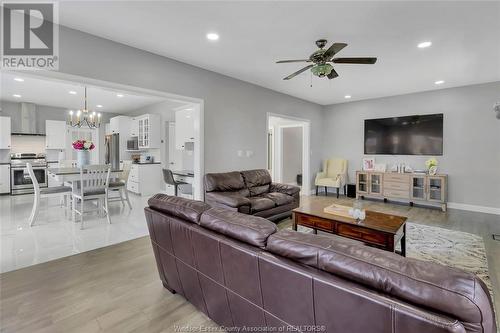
<point x="322" y="60"/>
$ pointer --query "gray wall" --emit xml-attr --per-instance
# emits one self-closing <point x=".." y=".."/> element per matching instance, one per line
<point x="471" y="152"/>
<point x="292" y="153"/>
<point x="235" y="111"/>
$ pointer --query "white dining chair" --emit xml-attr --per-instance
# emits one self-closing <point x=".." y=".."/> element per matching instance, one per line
<point x="46" y="192"/>
<point x="120" y="186"/>
<point x="92" y="186"/>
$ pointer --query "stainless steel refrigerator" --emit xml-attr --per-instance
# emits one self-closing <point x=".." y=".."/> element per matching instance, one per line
<point x="112" y="146"/>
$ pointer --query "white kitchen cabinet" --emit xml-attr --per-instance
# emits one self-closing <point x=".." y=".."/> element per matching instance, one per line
<point x="121" y="125"/>
<point x="4" y="178"/>
<point x="51" y="181"/>
<point x="145" y="179"/>
<point x="149" y="131"/>
<point x="134" y="127"/>
<point x="5" y="131"/>
<point x="55" y="134"/>
<point x="184" y="128"/>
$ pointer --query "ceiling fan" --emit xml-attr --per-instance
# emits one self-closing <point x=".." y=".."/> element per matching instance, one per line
<point x="322" y="58"/>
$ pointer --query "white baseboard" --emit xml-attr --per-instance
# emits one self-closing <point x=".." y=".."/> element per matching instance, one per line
<point x="471" y="208"/>
<point x="474" y="208"/>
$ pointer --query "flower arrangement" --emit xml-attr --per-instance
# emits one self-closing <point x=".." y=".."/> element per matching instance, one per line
<point x="431" y="162"/>
<point x="83" y="145"/>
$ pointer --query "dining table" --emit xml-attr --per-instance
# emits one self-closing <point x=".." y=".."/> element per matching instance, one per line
<point x="63" y="175"/>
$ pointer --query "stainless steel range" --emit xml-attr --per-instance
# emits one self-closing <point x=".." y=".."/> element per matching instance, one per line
<point x="20" y="180"/>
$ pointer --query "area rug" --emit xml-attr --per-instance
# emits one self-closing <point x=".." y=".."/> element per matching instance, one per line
<point x="446" y="247"/>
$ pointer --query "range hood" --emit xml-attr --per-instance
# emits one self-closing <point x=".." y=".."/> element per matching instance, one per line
<point x="27" y="121"/>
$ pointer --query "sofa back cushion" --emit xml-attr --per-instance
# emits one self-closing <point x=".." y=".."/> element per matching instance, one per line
<point x="188" y="210"/>
<point x="257" y="181"/>
<point x="441" y="288"/>
<point x="224" y="182"/>
<point x="246" y="228"/>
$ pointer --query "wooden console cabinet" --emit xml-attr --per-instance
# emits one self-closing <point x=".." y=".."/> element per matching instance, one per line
<point x="411" y="187"/>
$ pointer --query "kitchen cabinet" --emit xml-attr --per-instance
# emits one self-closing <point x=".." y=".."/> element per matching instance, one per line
<point x="5" y="130"/>
<point x="145" y="179"/>
<point x="51" y="181"/>
<point x="149" y="131"/>
<point x="55" y="134"/>
<point x="4" y="178"/>
<point x="184" y="128"/>
<point x="120" y="125"/>
<point x="134" y="127"/>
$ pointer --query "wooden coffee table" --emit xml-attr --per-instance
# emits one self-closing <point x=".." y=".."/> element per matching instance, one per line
<point x="377" y="229"/>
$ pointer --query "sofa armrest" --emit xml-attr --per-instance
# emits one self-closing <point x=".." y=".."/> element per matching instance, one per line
<point x="234" y="200"/>
<point x="284" y="188"/>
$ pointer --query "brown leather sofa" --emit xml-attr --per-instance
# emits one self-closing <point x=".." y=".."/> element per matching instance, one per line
<point x="251" y="192"/>
<point x="242" y="273"/>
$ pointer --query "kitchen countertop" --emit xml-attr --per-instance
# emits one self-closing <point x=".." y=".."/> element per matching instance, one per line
<point x="4" y="163"/>
<point x="144" y="163"/>
<point x="185" y="173"/>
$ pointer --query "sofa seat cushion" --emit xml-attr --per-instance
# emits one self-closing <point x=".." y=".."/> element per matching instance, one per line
<point x="258" y="204"/>
<point x="279" y="199"/>
<point x="246" y="228"/>
<point x="186" y="209"/>
<point x="457" y="293"/>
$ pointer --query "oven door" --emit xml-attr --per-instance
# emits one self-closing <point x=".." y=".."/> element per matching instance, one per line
<point x="21" y="181"/>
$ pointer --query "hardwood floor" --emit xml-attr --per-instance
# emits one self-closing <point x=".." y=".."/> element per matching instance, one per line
<point x="117" y="288"/>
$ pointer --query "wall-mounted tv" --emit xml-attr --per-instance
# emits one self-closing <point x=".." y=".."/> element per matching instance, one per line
<point x="408" y="135"/>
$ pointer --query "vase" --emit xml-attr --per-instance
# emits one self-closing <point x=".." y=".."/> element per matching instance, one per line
<point x="433" y="170"/>
<point x="83" y="158"/>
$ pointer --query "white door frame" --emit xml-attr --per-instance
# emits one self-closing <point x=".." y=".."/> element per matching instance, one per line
<point x="306" y="148"/>
<point x="199" y="118"/>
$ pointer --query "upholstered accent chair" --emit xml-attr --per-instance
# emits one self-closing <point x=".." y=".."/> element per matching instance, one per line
<point x="334" y="174"/>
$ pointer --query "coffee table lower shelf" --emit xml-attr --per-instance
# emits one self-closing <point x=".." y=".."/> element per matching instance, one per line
<point x="371" y="237"/>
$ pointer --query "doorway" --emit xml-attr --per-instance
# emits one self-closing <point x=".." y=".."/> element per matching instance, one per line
<point x="288" y="150"/>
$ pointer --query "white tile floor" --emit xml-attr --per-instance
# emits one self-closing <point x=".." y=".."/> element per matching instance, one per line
<point x="54" y="235"/>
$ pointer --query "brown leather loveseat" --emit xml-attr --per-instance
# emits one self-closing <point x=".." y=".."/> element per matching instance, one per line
<point x="244" y="274"/>
<point x="251" y="192"/>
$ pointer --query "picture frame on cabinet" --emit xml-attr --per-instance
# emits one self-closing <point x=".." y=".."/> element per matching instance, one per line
<point x="368" y="164"/>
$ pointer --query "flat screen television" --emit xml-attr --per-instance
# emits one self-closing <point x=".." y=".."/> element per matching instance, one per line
<point x="408" y="135"/>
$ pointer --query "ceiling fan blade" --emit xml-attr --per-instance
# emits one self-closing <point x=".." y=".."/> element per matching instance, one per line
<point x="334" y="49"/>
<point x="354" y="60"/>
<point x="298" y="72"/>
<point x="333" y="74"/>
<point x="286" y="61"/>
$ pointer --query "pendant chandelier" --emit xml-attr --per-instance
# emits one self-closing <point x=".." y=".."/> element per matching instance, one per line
<point x="84" y="117"/>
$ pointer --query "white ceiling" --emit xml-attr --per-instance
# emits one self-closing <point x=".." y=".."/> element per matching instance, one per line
<point x="56" y="93"/>
<point x="253" y="35"/>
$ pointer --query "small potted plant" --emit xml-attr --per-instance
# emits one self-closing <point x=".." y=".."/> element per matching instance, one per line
<point x="83" y="148"/>
<point x="431" y="165"/>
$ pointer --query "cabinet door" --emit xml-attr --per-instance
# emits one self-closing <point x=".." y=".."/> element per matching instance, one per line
<point x="140" y="124"/>
<point x="362" y="182"/>
<point x="134" y="127"/>
<point x="436" y="187"/>
<point x="418" y="188"/>
<point x="146" y="132"/>
<point x="5" y="130"/>
<point x="55" y="134"/>
<point x="4" y="178"/>
<point x="375" y="183"/>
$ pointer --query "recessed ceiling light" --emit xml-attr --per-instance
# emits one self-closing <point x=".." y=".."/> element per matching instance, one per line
<point x="16" y="96"/>
<point x="423" y="45"/>
<point x="347" y="96"/>
<point x="72" y="92"/>
<point x="212" y="36"/>
<point x="19" y="79"/>
<point x="99" y="106"/>
<point x="439" y="82"/>
<point x="119" y="95"/>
